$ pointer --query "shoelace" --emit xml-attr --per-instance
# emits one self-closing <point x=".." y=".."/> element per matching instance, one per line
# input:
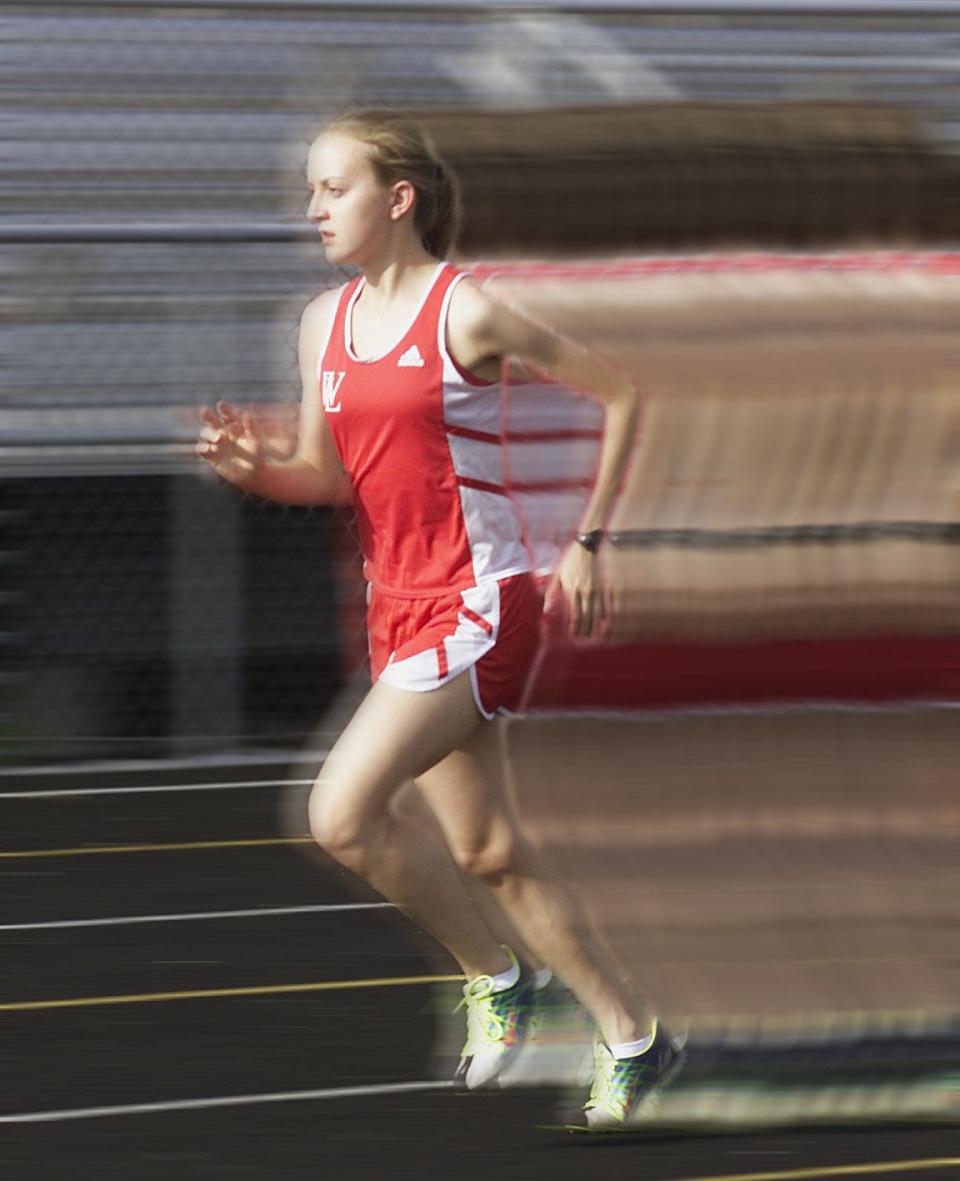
<point x="616" y="1080"/>
<point x="484" y="1024"/>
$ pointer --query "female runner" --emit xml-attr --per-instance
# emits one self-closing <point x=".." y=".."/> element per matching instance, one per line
<point x="400" y="417"/>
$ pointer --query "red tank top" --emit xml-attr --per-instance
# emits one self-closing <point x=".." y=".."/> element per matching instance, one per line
<point x="421" y="441"/>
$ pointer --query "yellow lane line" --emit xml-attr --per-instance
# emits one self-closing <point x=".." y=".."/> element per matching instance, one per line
<point x="76" y="1002"/>
<point x="898" y="1166"/>
<point x="98" y="850"/>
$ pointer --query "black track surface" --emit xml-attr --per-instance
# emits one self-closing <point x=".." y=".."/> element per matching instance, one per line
<point x="153" y="1052"/>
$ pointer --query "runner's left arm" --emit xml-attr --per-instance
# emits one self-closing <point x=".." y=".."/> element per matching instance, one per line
<point x="482" y="329"/>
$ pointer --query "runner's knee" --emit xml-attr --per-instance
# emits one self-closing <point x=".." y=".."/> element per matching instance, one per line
<point x="491" y="860"/>
<point x="342" y="828"/>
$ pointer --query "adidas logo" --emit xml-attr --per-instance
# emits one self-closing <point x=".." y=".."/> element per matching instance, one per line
<point x="411" y="357"/>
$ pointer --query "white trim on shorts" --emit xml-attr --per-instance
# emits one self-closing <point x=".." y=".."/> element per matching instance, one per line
<point x="475" y="686"/>
<point x="466" y="645"/>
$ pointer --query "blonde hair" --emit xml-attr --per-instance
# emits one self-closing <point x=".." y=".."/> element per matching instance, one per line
<point x="400" y="149"/>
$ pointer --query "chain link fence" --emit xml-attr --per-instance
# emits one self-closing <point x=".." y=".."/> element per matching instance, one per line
<point x="154" y="258"/>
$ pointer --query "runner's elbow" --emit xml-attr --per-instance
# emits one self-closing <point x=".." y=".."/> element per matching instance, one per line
<point x="328" y="485"/>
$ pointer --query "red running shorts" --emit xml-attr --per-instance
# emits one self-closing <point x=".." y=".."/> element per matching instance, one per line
<point x="491" y="630"/>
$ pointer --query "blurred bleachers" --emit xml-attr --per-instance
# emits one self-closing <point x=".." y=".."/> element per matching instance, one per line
<point x="154" y="256"/>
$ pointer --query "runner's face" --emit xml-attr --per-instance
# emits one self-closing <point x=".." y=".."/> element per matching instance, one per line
<point x="348" y="204"/>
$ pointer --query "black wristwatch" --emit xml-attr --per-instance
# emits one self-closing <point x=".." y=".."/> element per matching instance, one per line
<point x="591" y="541"/>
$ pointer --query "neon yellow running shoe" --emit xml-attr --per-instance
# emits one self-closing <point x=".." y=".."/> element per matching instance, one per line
<point x="623" y="1087"/>
<point x="498" y="1024"/>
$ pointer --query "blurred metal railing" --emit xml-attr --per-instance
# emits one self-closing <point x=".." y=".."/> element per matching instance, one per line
<point x="764" y="8"/>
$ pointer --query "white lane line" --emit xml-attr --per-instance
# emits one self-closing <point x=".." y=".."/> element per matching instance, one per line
<point x="255" y="912"/>
<point x="270" y="758"/>
<point x="42" y="1117"/>
<point x="121" y="791"/>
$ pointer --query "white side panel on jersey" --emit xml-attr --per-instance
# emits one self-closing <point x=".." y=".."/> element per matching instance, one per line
<point x="547" y="406"/>
<point x="494" y="529"/>
<point x="477" y="461"/>
<point x="551" y="461"/>
<point x="465" y="405"/>
<point x="546" y="476"/>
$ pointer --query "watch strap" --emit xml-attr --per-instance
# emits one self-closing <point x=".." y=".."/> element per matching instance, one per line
<point x="591" y="540"/>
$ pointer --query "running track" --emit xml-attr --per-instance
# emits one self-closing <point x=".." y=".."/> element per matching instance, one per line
<point x="188" y="993"/>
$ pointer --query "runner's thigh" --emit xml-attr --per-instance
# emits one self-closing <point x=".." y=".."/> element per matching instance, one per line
<point x="396" y="735"/>
<point x="468" y="793"/>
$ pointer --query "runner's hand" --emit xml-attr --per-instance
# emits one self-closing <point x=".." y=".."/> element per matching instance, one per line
<point x="276" y="423"/>
<point x="231" y="442"/>
<point x="578" y="582"/>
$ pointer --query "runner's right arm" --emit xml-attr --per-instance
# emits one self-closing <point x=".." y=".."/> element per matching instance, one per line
<point x="235" y="446"/>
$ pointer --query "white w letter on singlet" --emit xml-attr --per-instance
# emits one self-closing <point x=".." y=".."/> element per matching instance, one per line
<point x="330" y="390"/>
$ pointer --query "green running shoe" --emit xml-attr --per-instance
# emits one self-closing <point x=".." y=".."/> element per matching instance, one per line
<point x="622" y="1087"/>
<point x="498" y="1024"/>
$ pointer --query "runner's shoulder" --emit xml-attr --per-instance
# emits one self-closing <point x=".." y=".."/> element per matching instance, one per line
<point x="317" y="317"/>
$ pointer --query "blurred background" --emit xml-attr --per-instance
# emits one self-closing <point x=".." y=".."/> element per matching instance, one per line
<point x="155" y="257"/>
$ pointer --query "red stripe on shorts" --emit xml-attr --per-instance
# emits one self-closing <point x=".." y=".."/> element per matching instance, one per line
<point x="442" y="666"/>
<point x="477" y="619"/>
